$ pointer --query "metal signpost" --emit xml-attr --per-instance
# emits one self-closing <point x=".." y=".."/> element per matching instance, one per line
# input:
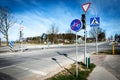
<point x="95" y="22"/>
<point x="21" y="38"/>
<point x="85" y="8"/>
<point x="43" y="37"/>
<point x="76" y="26"/>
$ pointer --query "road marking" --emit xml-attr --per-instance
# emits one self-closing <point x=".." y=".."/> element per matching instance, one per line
<point x="8" y="66"/>
<point x="31" y="70"/>
<point x="25" y="68"/>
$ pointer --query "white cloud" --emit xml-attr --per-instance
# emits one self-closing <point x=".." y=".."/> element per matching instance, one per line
<point x="36" y="22"/>
<point x="33" y="24"/>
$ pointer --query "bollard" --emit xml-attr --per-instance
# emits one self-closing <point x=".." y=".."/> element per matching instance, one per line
<point x="86" y="62"/>
<point x="89" y="62"/>
<point x="113" y="49"/>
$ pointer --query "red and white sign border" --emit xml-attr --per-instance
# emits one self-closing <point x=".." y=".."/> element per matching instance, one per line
<point x="87" y="7"/>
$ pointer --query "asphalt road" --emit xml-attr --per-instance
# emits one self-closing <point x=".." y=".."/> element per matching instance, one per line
<point x="35" y="64"/>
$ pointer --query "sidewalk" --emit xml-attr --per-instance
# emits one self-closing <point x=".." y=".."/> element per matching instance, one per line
<point x="105" y="67"/>
<point x="100" y="73"/>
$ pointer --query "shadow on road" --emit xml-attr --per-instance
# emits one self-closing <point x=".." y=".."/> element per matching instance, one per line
<point x="4" y="76"/>
<point x="54" y="59"/>
<point x="66" y="55"/>
<point x="7" y="62"/>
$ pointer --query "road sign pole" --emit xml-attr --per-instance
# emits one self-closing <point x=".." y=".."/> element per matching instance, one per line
<point x="21" y="36"/>
<point x="21" y="46"/>
<point x="97" y="40"/>
<point x="95" y="22"/>
<point x="76" y="26"/>
<point x="76" y="57"/>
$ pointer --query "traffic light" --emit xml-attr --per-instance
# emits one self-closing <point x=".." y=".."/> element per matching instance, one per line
<point x="83" y="21"/>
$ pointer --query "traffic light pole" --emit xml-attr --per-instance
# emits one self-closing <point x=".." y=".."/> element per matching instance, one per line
<point x="85" y="33"/>
<point x="83" y="18"/>
<point x="85" y="8"/>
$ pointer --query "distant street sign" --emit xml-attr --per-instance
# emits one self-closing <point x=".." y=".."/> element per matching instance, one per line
<point x="43" y="36"/>
<point x="76" y="25"/>
<point x="86" y="6"/>
<point x="95" y="22"/>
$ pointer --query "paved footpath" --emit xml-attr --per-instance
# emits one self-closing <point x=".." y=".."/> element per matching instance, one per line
<point x="108" y="67"/>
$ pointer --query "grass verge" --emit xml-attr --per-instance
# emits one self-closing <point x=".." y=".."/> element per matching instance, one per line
<point x="69" y="74"/>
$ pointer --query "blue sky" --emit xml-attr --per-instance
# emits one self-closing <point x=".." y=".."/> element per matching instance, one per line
<point x="39" y="15"/>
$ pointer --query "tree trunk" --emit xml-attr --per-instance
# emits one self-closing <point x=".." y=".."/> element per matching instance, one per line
<point x="7" y="39"/>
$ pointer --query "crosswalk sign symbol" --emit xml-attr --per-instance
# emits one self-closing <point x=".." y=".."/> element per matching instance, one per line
<point x="95" y="22"/>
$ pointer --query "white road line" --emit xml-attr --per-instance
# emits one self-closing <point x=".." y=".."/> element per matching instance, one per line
<point x="31" y="70"/>
<point x="25" y="68"/>
<point x="8" y="66"/>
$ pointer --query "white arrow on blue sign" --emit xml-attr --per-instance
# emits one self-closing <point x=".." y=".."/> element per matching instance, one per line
<point x="76" y="25"/>
<point x="95" y="22"/>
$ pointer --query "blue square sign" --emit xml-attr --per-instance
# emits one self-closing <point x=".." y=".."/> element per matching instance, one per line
<point x="95" y="22"/>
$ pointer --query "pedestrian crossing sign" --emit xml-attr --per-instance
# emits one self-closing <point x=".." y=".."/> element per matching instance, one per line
<point x="95" y="22"/>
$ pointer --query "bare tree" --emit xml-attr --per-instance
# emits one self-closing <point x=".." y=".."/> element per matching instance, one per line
<point x="53" y="29"/>
<point x="6" y="21"/>
<point x="93" y="32"/>
<point x="70" y="36"/>
<point x="69" y="31"/>
<point x="52" y="33"/>
<point x="99" y="32"/>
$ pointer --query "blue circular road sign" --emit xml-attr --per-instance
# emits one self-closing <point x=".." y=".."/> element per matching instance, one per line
<point x="76" y="25"/>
